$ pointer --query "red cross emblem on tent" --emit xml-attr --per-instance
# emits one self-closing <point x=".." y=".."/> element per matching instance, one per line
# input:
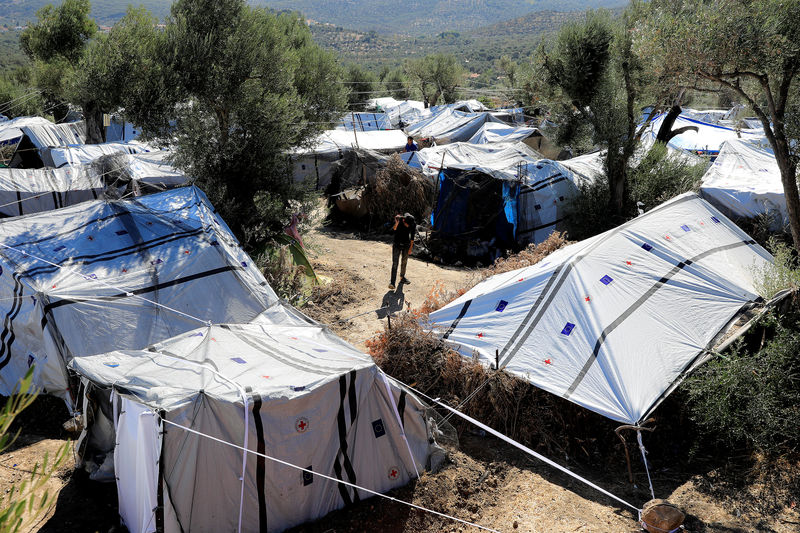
<point x="480" y="335"/>
<point x="548" y="362"/>
<point x="394" y="473"/>
<point x="587" y="299"/>
<point x="301" y="425"/>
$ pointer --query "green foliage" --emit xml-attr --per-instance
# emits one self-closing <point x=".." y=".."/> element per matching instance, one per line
<point x="782" y="273"/>
<point x="17" y="99"/>
<point x="245" y="85"/>
<point x="60" y="31"/>
<point x="752" y="398"/>
<point x="395" y="84"/>
<point x="25" y="500"/>
<point x="660" y="176"/>
<point x="362" y="85"/>
<point x="436" y="76"/>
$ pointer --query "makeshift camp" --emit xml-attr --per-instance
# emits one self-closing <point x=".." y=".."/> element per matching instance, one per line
<point x="490" y="202"/>
<point x="495" y="132"/>
<point x="103" y="275"/>
<point x="708" y="138"/>
<point x="364" y="122"/>
<point x="37" y="138"/>
<point x="745" y="182"/>
<point x="295" y="393"/>
<point x="86" y="153"/>
<point x="313" y="165"/>
<point x="449" y="126"/>
<point x="138" y="174"/>
<point x="25" y="191"/>
<point x="467" y="156"/>
<point x="615" y="323"/>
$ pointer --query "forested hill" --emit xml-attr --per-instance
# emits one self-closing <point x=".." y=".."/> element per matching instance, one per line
<point x="420" y="17"/>
<point x="18" y="12"/>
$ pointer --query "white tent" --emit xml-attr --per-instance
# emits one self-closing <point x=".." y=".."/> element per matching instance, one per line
<point x="365" y="122"/>
<point x="103" y="275"/>
<point x="401" y="112"/>
<point x="449" y="125"/>
<point x="707" y="141"/>
<point x="296" y="393"/>
<point x="490" y="157"/>
<point x="25" y="191"/>
<point x="86" y="153"/>
<point x="590" y="166"/>
<point x="615" y="322"/>
<point x="466" y="106"/>
<point x="494" y="132"/>
<point x="745" y="181"/>
<point x="314" y="164"/>
<point x="11" y="130"/>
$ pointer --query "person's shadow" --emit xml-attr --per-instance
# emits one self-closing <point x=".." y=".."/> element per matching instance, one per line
<point x="392" y="302"/>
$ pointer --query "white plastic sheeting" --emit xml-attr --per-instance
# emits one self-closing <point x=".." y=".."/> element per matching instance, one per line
<point x="136" y="458"/>
<point x="745" y="181"/>
<point x="11" y="130"/>
<point x="105" y="275"/>
<point x="46" y="135"/>
<point x="488" y="158"/>
<point x="707" y="141"/>
<point x="365" y="122"/>
<point x="401" y="112"/>
<point x="590" y="166"/>
<point x="494" y="132"/>
<point x="613" y="323"/>
<point x="26" y="191"/>
<point x="310" y="399"/>
<point x="449" y="125"/>
<point x="86" y="153"/>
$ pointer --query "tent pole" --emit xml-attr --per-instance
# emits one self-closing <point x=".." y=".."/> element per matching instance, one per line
<point x="625" y="444"/>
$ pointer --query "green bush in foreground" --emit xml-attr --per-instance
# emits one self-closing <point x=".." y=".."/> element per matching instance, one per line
<point x="752" y="398"/>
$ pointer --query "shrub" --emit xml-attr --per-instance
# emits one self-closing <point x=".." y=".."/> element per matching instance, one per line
<point x="783" y="273"/>
<point x="752" y="398"/>
<point x="661" y="175"/>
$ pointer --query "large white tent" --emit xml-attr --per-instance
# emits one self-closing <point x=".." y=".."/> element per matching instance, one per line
<point x="449" y="125"/>
<point x="614" y="322"/>
<point x="86" y="153"/>
<point x="708" y="138"/>
<point x="745" y="181"/>
<point x="495" y="132"/>
<point x="365" y="122"/>
<point x="296" y="393"/>
<point x="11" y="130"/>
<point x="401" y="112"/>
<point x="106" y="275"/>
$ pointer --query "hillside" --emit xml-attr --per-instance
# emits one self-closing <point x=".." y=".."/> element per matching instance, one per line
<point x="409" y="17"/>
<point x="420" y="17"/>
<point x="479" y="48"/>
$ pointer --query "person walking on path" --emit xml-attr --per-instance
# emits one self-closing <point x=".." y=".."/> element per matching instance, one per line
<point x="404" y="229"/>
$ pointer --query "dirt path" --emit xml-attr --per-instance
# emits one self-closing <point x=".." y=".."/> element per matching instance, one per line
<point x="360" y="270"/>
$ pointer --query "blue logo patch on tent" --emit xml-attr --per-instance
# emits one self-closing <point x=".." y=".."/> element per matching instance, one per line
<point x="537" y="207"/>
<point x="568" y="329"/>
<point x="378" y="429"/>
<point x="715" y="219"/>
<point x="156" y="262"/>
<point x="238" y="360"/>
<point x="59" y="248"/>
<point x="121" y="232"/>
<point x="605" y="280"/>
<point x="244" y="264"/>
<point x="308" y="477"/>
<point x="501" y="306"/>
<point x="685" y="228"/>
<point x="296" y="388"/>
<point x="646" y="247"/>
<point x="111" y="364"/>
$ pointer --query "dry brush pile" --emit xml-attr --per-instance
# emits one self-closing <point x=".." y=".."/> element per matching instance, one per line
<point x="397" y="188"/>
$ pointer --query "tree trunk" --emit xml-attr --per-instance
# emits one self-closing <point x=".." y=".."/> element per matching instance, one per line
<point x="665" y="132"/>
<point x="93" y="115"/>
<point x="616" y="182"/>
<point x="789" y="179"/>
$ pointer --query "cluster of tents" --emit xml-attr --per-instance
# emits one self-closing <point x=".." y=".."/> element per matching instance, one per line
<point x="144" y="314"/>
<point x="215" y="406"/>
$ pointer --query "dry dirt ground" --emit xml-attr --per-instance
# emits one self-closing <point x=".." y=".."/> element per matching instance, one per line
<point x="484" y="481"/>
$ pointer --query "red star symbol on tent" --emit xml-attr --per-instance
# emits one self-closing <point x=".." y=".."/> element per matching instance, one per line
<point x="393" y="473"/>
<point x="548" y="362"/>
<point x="667" y="237"/>
<point x="265" y="377"/>
<point x="520" y="279"/>
<point x="187" y="252"/>
<point x="629" y="263"/>
<point x="480" y="335"/>
<point x="588" y="299"/>
<point x="54" y="286"/>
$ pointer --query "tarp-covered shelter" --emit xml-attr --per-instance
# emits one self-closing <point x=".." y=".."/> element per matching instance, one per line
<point x="449" y="126"/>
<point x="494" y="197"/>
<point x="745" y="182"/>
<point x="401" y="112"/>
<point x="296" y="393"/>
<point x="314" y="164"/>
<point x="107" y="275"/>
<point x="615" y="322"/>
<point x="706" y="141"/>
<point x="86" y="153"/>
<point x="11" y="130"/>
<point x="37" y="138"/>
<point x="26" y="191"/>
<point x="590" y="166"/>
<point x="365" y="122"/>
<point x="495" y="132"/>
